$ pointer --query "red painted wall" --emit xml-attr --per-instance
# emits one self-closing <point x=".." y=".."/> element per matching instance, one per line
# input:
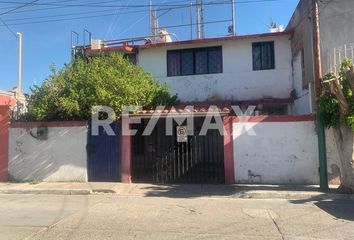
<point x="126" y="158"/>
<point x="297" y="118"/>
<point x="4" y="142"/>
<point x="7" y="100"/>
<point x="228" y="151"/>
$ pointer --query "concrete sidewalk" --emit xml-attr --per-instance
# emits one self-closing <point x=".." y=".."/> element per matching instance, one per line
<point x="175" y="191"/>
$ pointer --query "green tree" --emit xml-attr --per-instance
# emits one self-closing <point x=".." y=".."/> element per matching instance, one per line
<point x="108" y="80"/>
<point x="336" y="105"/>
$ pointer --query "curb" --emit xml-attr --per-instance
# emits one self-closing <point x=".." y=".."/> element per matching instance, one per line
<point x="309" y="196"/>
<point x="293" y="196"/>
<point x="47" y="191"/>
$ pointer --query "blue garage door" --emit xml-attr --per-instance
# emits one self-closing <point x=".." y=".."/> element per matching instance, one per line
<point x="103" y="153"/>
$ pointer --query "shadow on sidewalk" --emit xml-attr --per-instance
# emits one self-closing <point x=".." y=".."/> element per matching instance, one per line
<point x="338" y="208"/>
<point x="209" y="190"/>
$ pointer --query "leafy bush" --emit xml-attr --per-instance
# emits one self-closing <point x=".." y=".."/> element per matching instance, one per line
<point x="329" y="103"/>
<point x="109" y="80"/>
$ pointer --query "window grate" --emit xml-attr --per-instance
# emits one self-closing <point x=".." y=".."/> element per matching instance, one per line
<point x="263" y="56"/>
<point x="194" y="61"/>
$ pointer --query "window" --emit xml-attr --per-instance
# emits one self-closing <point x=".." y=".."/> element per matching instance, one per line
<point x="263" y="55"/>
<point x="173" y="63"/>
<point x="187" y="62"/>
<point x="194" y="61"/>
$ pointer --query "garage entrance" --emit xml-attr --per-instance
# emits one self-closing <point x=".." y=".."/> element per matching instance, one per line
<point x="164" y="159"/>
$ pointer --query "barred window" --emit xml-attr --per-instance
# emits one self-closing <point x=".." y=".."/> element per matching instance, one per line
<point x="263" y="55"/>
<point x="174" y="64"/>
<point x="215" y="60"/>
<point x="187" y="60"/>
<point x="194" y="61"/>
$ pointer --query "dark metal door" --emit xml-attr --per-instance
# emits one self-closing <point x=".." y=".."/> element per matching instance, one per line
<point x="103" y="153"/>
<point x="161" y="159"/>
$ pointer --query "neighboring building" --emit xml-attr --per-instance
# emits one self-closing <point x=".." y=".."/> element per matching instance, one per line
<point x="7" y="98"/>
<point x="336" y="36"/>
<point x="16" y="106"/>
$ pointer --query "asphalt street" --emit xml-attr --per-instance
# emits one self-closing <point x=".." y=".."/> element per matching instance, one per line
<point x="135" y="217"/>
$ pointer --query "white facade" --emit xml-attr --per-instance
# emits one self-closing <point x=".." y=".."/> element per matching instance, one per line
<point x="334" y="165"/>
<point x="276" y="152"/>
<point x="59" y="158"/>
<point x="237" y="82"/>
<point x="302" y="103"/>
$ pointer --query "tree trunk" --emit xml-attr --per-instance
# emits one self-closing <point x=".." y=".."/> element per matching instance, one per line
<point x="344" y="138"/>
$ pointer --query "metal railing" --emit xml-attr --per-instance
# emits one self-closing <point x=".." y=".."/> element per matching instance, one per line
<point x="337" y="55"/>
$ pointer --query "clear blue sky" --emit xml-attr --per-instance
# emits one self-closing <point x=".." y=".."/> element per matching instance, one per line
<point x="49" y="42"/>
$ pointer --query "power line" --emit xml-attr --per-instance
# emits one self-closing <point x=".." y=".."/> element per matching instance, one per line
<point x="45" y="20"/>
<point x="66" y="19"/>
<point x="102" y="11"/>
<point x="65" y="1"/>
<point x="75" y="18"/>
<point x="16" y="8"/>
<point x="138" y="5"/>
<point x="116" y="19"/>
<point x="56" y="15"/>
<point x="193" y="24"/>
<point x="60" y="7"/>
<point x="8" y="28"/>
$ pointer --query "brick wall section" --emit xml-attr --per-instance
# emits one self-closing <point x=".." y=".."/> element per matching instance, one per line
<point x="4" y="142"/>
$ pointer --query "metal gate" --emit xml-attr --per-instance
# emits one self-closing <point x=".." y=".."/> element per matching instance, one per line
<point x="161" y="159"/>
<point x="103" y="154"/>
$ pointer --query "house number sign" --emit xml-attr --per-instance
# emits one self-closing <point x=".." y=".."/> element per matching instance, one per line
<point x="182" y="134"/>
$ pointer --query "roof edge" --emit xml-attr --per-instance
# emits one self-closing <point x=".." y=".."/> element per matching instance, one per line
<point x="218" y="39"/>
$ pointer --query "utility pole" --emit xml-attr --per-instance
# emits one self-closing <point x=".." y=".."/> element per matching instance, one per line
<point x="321" y="134"/>
<point x="316" y="46"/>
<point x="233" y="24"/>
<point x="150" y="17"/>
<point x="19" y="36"/>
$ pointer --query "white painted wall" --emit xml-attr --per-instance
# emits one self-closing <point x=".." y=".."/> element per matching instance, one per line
<point x="333" y="162"/>
<point x="238" y="80"/>
<point x="60" y="158"/>
<point x="302" y="105"/>
<point x="280" y="152"/>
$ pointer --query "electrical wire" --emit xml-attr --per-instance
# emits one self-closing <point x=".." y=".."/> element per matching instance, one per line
<point x="140" y="5"/>
<point x="193" y="24"/>
<point x="101" y="15"/>
<point x="8" y="28"/>
<point x="19" y="7"/>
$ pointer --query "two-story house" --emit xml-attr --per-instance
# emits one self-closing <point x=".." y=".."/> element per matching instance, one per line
<point x="273" y="71"/>
<point x="251" y="69"/>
